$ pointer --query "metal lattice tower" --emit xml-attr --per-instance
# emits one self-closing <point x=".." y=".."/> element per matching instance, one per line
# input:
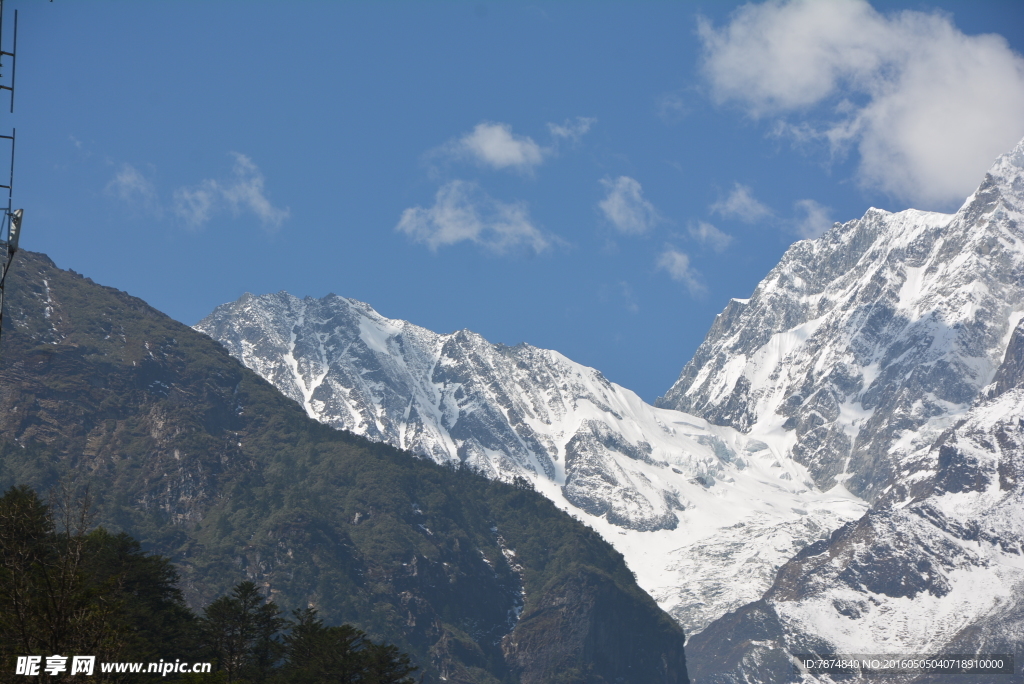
<point x="11" y="217"/>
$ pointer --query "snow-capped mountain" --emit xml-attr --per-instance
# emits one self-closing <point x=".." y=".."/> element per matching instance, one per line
<point x="942" y="572"/>
<point x="915" y="397"/>
<point x="704" y="514"/>
<point x="860" y="364"/>
<point x="863" y="345"/>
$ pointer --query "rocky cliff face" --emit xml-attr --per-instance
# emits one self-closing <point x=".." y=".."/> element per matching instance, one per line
<point x="202" y="460"/>
<point x="917" y="400"/>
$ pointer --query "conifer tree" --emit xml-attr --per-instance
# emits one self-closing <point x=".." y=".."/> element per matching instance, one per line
<point x="243" y="631"/>
<point x="317" y="654"/>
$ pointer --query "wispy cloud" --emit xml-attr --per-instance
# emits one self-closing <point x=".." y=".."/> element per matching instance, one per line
<point x="927" y="107"/>
<point x="626" y="208"/>
<point x="709" y="236"/>
<point x="462" y="212"/>
<point x="671" y="107"/>
<point x="740" y="204"/>
<point x="677" y="265"/>
<point x="629" y="300"/>
<point x="244" y="191"/>
<point x="572" y="129"/>
<point x="812" y="219"/>
<point x="131" y="187"/>
<point x="196" y="204"/>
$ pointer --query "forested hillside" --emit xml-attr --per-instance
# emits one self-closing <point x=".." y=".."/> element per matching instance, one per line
<point x="201" y="460"/>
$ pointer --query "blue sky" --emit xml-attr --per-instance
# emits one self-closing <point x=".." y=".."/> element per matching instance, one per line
<point x="596" y="178"/>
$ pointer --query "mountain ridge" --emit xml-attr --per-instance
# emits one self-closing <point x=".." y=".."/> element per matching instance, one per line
<point x="851" y="330"/>
<point x="204" y="461"/>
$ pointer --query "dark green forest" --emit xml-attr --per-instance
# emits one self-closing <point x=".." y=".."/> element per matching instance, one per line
<point x="69" y="590"/>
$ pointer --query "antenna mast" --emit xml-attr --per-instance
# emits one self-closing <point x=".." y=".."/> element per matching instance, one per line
<point x="12" y="218"/>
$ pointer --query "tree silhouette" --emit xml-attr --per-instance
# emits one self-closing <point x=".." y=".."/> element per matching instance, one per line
<point x="243" y="632"/>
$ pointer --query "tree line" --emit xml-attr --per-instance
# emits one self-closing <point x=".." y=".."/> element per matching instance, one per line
<point x="69" y="589"/>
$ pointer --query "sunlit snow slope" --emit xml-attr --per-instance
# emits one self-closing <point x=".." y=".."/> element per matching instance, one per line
<point x="938" y="572"/>
<point x="704" y="515"/>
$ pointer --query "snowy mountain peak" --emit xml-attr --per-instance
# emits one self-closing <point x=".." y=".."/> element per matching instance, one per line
<point x="1010" y="164"/>
<point x="867" y="342"/>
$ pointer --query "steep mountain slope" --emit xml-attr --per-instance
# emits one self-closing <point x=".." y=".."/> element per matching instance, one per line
<point x="704" y="515"/>
<point x="930" y="398"/>
<point x="863" y="345"/>
<point x="201" y="459"/>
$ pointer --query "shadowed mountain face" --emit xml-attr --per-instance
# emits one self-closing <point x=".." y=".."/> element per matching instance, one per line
<point x="202" y="460"/>
<point x="892" y="348"/>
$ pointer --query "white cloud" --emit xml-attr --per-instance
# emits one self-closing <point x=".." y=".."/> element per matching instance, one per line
<point x="677" y="265"/>
<point x="129" y="185"/>
<point x="572" y="129"/>
<point x="463" y="212"/>
<point x="626" y="208"/>
<point x="494" y="145"/>
<point x="243" y="192"/>
<point x="812" y="219"/>
<point x="741" y="204"/>
<point x="709" y="236"/>
<point x="927" y="107"/>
